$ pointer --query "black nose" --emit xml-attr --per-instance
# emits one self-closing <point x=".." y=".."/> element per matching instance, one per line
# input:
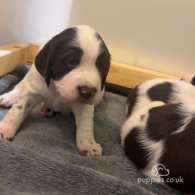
<point x="86" y="91"/>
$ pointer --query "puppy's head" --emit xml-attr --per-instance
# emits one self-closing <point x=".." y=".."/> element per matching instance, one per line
<point x="76" y="61"/>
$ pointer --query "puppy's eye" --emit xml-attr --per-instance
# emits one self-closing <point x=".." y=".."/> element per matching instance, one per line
<point x="71" y="57"/>
<point x="72" y="61"/>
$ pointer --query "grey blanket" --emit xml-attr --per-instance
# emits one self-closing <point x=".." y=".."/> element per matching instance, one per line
<point x="43" y="158"/>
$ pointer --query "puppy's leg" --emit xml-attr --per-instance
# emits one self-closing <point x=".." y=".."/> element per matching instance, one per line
<point x="11" y="97"/>
<point x="8" y="99"/>
<point x="15" y="116"/>
<point x="84" y="137"/>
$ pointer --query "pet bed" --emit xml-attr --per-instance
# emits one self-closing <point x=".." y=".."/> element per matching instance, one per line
<point x="43" y="158"/>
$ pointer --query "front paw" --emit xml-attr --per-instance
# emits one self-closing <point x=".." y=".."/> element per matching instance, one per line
<point x="6" y="100"/>
<point x="6" y="132"/>
<point x="89" y="148"/>
<point x="45" y="111"/>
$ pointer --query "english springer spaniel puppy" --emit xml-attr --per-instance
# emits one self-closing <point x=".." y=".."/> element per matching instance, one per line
<point x="69" y="73"/>
<point x="159" y="133"/>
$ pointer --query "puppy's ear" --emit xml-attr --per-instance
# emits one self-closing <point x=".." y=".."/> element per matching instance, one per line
<point x="43" y="63"/>
<point x="51" y="54"/>
<point x="103" y="61"/>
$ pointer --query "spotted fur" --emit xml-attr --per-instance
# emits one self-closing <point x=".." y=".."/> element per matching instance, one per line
<point x="69" y="73"/>
<point x="160" y="129"/>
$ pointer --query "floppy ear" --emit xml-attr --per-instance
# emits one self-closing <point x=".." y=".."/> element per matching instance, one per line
<point x="43" y="63"/>
<point x="103" y="61"/>
<point x="52" y="51"/>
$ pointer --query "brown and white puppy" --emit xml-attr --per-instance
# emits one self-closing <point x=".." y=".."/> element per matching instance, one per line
<point x="69" y="73"/>
<point x="159" y="133"/>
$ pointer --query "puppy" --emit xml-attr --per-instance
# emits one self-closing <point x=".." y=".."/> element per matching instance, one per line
<point x="69" y="73"/>
<point x="159" y="133"/>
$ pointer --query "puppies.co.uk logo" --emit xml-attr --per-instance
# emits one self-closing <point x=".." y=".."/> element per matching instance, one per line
<point x="157" y="173"/>
<point x="159" y="170"/>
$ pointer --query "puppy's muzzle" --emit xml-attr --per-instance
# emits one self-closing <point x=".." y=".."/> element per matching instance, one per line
<point x="87" y="92"/>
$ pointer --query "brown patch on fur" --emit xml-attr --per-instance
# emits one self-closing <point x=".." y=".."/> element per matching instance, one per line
<point x="19" y="106"/>
<point x="28" y="105"/>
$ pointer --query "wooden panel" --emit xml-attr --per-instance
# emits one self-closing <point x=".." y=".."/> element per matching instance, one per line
<point x="33" y="50"/>
<point x="12" y="55"/>
<point x="129" y="76"/>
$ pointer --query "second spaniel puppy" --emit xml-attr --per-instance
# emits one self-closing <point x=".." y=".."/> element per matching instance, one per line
<point x="159" y="133"/>
<point x="69" y="73"/>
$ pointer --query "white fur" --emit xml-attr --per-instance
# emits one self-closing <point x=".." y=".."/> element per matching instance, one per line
<point x="184" y="92"/>
<point x="155" y="150"/>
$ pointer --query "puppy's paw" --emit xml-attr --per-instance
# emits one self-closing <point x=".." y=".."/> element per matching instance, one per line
<point x="7" y="100"/>
<point x="45" y="111"/>
<point x="187" y="78"/>
<point x="6" y="131"/>
<point x="89" y="148"/>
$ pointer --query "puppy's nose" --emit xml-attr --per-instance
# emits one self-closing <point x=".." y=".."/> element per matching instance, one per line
<point x="86" y="91"/>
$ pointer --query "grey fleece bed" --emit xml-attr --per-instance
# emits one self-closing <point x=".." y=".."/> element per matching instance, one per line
<point x="43" y="158"/>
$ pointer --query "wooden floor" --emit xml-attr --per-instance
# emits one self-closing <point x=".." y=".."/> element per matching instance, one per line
<point x="120" y="74"/>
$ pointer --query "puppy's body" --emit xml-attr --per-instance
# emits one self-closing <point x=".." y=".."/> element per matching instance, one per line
<point x="160" y="130"/>
<point x="69" y="74"/>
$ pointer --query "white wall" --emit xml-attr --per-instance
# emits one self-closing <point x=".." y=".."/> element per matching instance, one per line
<point x="32" y="20"/>
<point x="155" y="34"/>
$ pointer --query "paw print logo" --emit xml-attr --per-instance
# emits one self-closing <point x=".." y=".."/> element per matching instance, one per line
<point x="160" y="170"/>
